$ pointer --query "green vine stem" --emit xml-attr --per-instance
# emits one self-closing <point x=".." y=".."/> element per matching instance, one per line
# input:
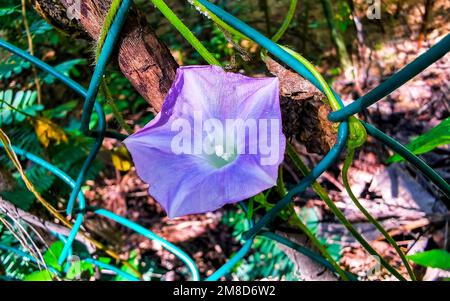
<point x="115" y="110"/>
<point x="185" y="32"/>
<point x="174" y="20"/>
<point x="107" y="22"/>
<point x="31" y="50"/>
<point x="109" y="18"/>
<point x="321" y="192"/>
<point x="287" y="21"/>
<point x="217" y="20"/>
<point x="295" y="221"/>
<point x="284" y="26"/>
<point x="347" y="163"/>
<point x="304" y="170"/>
<point x="357" y="137"/>
<point x="16" y="109"/>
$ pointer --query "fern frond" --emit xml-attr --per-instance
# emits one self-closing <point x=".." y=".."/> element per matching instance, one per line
<point x="15" y="107"/>
<point x="13" y="65"/>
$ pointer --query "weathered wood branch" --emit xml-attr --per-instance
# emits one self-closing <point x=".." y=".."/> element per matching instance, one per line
<point x="306" y="268"/>
<point x="148" y="64"/>
<point x="144" y="60"/>
<point x="12" y="211"/>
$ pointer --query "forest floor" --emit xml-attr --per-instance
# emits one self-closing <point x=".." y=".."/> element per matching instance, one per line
<point x="408" y="205"/>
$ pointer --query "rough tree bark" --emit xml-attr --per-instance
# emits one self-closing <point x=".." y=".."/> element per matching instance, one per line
<point x="150" y="67"/>
<point x="148" y="64"/>
<point x="145" y="61"/>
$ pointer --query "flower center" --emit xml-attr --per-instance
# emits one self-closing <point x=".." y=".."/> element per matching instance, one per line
<point x="220" y="158"/>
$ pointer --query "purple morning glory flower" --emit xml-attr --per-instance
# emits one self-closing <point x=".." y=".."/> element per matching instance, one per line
<point x="217" y="140"/>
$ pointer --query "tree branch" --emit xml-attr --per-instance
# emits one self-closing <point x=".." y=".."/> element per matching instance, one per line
<point x="148" y="64"/>
<point x="144" y="60"/>
<point x="12" y="211"/>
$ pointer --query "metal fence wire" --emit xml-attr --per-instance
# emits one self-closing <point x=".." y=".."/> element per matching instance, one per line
<point x="255" y="228"/>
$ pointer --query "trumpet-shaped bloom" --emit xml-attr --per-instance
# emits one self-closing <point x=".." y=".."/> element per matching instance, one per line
<point x="217" y="140"/>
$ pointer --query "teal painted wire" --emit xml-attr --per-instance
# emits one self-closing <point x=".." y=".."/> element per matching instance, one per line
<point x="7" y="278"/>
<point x="27" y="256"/>
<point x="264" y="42"/>
<point x="219" y="273"/>
<point x="67" y="249"/>
<point x="69" y="253"/>
<point x="247" y="246"/>
<point x="17" y="252"/>
<point x="43" y="66"/>
<point x="77" y="88"/>
<point x="307" y="74"/>
<point x="50" y="167"/>
<point x="107" y="49"/>
<point x="410" y="157"/>
<point x="302" y="70"/>
<point x="271" y="47"/>
<point x="80" y="90"/>
<point x="305" y="251"/>
<point x="88" y="104"/>
<point x="112" y="268"/>
<point x="54" y="271"/>
<point x="127" y="223"/>
<point x="92" y="92"/>
<point x="327" y="161"/>
<point x="64" y="79"/>
<point x="320" y="168"/>
<point x="395" y="81"/>
<point x="225" y="269"/>
<point x="150" y="235"/>
<point x="102" y="265"/>
<point x="81" y="200"/>
<point x="87" y="163"/>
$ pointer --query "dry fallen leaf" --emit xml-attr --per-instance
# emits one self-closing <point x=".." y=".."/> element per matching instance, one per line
<point x="47" y="131"/>
<point x="121" y="158"/>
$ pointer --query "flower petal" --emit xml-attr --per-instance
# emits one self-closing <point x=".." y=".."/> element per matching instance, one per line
<point x="189" y="183"/>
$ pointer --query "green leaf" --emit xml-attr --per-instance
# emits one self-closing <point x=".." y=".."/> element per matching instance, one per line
<point x="41" y="178"/>
<point x="133" y="261"/>
<point x="4" y="11"/>
<point x="53" y="253"/>
<point x="106" y="260"/>
<point x="21" y="197"/>
<point x="13" y="65"/>
<point x="39" y="27"/>
<point x="14" y="108"/>
<point x="60" y="111"/>
<point x="433" y="259"/>
<point x="310" y="217"/>
<point x="185" y="32"/>
<point x="66" y="68"/>
<point x="77" y="268"/>
<point x="335" y="249"/>
<point x="438" y="136"/>
<point x="39" y="276"/>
